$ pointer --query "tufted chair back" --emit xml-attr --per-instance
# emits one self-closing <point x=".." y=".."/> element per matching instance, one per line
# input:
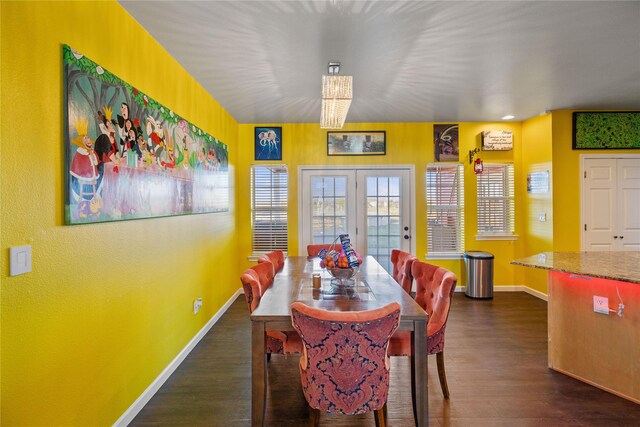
<point x="276" y="258"/>
<point x="402" y="262"/>
<point x="434" y="289"/>
<point x="255" y="281"/>
<point x="313" y="250"/>
<point x="344" y="367"/>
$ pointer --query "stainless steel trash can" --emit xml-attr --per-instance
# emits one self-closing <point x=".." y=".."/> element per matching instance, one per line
<point x="479" y="269"/>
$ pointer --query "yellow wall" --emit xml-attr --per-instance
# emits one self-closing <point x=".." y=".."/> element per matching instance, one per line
<point x="107" y="306"/>
<point x="566" y="182"/>
<point x="536" y="236"/>
<point x="407" y="143"/>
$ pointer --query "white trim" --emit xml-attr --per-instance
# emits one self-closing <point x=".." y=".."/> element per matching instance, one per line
<point x="443" y="255"/>
<point x="497" y="236"/>
<point x="153" y="388"/>
<point x="535" y="293"/>
<point x="515" y="288"/>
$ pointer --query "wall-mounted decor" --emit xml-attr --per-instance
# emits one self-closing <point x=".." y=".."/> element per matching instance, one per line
<point x="128" y="156"/>
<point x="497" y="140"/>
<point x="445" y="142"/>
<point x="268" y="143"/>
<point x="606" y="130"/>
<point x="365" y="143"/>
<point x="538" y="182"/>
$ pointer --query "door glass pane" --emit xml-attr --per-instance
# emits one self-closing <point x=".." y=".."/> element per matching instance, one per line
<point x="383" y="218"/>
<point x="328" y="217"/>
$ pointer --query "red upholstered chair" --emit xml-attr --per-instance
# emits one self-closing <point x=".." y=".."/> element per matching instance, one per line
<point x="344" y="367"/>
<point x="276" y="258"/>
<point x="402" y="262"/>
<point x="255" y="281"/>
<point x="434" y="289"/>
<point x="313" y="250"/>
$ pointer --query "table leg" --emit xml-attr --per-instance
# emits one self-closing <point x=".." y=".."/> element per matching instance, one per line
<point x="258" y="374"/>
<point x="420" y="374"/>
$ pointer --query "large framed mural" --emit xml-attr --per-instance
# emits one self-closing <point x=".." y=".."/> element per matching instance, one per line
<point x="130" y="157"/>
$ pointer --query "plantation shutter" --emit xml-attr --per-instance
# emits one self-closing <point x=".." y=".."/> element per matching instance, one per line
<point x="445" y="208"/>
<point x="496" y="206"/>
<point x="269" y="191"/>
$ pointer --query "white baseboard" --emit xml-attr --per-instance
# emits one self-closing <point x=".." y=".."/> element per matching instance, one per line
<point x="526" y="289"/>
<point x="144" y="398"/>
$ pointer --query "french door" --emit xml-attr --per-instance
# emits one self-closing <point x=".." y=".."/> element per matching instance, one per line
<point x="372" y="205"/>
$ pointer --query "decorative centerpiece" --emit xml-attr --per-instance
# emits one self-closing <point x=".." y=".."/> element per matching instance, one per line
<point x="341" y="262"/>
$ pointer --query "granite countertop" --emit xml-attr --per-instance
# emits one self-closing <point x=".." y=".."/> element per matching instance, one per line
<point x="623" y="266"/>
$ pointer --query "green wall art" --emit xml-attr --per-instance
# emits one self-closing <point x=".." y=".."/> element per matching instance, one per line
<point x="606" y="130"/>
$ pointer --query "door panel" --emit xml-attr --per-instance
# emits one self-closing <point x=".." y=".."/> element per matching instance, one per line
<point x="629" y="212"/>
<point x="386" y="195"/>
<point x="329" y="207"/>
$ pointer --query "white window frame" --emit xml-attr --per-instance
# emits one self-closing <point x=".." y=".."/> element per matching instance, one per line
<point x="273" y="193"/>
<point x="445" y="196"/>
<point x="502" y="177"/>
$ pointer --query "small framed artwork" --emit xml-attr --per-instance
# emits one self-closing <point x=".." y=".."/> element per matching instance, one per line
<point x="445" y="142"/>
<point x="268" y="143"/>
<point x="538" y="182"/>
<point x="497" y="140"/>
<point x="360" y="143"/>
<point x="606" y="130"/>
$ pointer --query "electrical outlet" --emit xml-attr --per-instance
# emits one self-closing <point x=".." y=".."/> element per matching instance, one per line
<point x="601" y="305"/>
<point x="197" y="305"/>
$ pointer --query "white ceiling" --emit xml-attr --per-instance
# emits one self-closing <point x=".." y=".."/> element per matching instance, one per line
<point x="411" y="61"/>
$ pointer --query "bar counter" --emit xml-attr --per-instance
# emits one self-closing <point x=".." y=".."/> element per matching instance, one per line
<point x="600" y="349"/>
<point x="623" y="266"/>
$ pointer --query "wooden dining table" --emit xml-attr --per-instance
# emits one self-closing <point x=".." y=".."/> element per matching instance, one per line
<point x="372" y="288"/>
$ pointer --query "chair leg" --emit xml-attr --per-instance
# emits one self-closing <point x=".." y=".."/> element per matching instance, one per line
<point x="314" y="417"/>
<point x="379" y="416"/>
<point x="384" y="409"/>
<point x="441" y="374"/>
<point x="268" y="357"/>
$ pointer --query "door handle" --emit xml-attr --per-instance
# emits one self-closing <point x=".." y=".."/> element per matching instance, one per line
<point x="407" y="237"/>
<point x="615" y="237"/>
<point x="621" y="237"/>
<point x="406" y="228"/>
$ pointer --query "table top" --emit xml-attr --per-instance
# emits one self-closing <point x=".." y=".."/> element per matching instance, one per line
<point x="622" y="266"/>
<point x="293" y="283"/>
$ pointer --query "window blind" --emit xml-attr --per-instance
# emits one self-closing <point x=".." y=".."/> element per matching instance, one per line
<point x="496" y="207"/>
<point x="445" y="208"/>
<point x="269" y="191"/>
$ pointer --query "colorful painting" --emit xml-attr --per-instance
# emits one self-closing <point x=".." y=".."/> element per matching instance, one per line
<point x="445" y="142"/>
<point x="129" y="157"/>
<point x="268" y="143"/>
<point x="371" y="143"/>
<point x="606" y="130"/>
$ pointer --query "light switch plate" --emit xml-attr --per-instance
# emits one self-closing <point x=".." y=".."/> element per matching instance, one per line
<point x="20" y="260"/>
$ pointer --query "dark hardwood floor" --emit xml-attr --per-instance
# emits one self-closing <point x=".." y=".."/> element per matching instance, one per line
<point x="496" y="360"/>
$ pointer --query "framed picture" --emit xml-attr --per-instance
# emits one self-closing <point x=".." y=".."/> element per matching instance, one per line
<point x="445" y="142"/>
<point x="360" y="143"/>
<point x="606" y="130"/>
<point x="268" y="143"/>
<point x="538" y="182"/>
<point x="127" y="156"/>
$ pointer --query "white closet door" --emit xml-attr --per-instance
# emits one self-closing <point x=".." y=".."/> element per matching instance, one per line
<point x="628" y="211"/>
